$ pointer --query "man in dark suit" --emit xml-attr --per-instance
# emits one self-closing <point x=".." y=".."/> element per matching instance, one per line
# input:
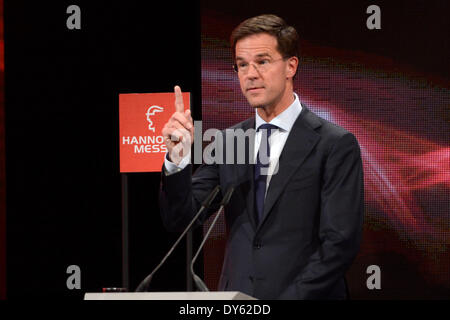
<point x="294" y="221"/>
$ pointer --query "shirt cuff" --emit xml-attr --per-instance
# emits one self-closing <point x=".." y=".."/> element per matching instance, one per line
<point x="171" y="168"/>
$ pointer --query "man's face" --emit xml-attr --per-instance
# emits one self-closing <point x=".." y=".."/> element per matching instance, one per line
<point x="263" y="73"/>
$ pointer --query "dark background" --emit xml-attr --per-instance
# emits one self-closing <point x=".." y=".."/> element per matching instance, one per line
<point x="63" y="196"/>
<point x="414" y="33"/>
<point x="62" y="151"/>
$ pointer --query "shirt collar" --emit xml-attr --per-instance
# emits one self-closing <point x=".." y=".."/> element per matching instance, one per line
<point x="284" y="120"/>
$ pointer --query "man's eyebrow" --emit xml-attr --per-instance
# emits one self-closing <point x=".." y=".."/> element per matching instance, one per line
<point x="264" y="54"/>
<point x="259" y="55"/>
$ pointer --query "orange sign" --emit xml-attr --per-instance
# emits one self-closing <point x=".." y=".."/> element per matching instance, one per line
<point x="141" y="119"/>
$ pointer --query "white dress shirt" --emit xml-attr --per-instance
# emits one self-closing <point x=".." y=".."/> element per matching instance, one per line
<point x="284" y="121"/>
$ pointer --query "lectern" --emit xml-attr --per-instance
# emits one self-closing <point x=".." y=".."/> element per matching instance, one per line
<point x="211" y="295"/>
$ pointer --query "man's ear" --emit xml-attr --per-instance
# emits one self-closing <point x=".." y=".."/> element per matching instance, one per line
<point x="291" y="67"/>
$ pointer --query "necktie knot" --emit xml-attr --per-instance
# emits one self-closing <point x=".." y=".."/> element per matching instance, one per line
<point x="263" y="155"/>
<point x="268" y="127"/>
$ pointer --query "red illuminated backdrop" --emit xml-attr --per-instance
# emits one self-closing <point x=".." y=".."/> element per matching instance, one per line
<point x="400" y="118"/>
<point x="2" y="164"/>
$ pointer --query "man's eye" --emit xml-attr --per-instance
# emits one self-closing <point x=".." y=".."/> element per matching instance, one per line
<point x="262" y="62"/>
<point x="242" y="64"/>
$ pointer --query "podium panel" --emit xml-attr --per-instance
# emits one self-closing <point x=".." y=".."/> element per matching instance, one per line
<point x="215" y="295"/>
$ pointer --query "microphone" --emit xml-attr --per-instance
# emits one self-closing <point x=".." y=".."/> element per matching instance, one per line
<point x="201" y="286"/>
<point x="145" y="283"/>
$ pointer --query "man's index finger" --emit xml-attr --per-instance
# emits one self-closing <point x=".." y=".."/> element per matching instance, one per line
<point x="179" y="105"/>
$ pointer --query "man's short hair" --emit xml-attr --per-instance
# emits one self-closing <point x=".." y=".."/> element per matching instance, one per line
<point x="287" y="37"/>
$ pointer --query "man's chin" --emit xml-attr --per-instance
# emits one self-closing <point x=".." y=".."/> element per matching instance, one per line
<point x="256" y="103"/>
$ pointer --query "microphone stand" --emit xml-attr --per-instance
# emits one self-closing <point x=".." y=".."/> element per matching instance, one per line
<point x="201" y="286"/>
<point x="144" y="284"/>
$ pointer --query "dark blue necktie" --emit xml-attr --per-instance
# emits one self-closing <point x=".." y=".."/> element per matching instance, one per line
<point x="261" y="167"/>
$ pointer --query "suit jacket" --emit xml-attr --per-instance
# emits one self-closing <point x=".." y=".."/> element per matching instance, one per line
<point x="313" y="213"/>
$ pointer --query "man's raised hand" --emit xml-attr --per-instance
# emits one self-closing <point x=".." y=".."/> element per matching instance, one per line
<point x="178" y="132"/>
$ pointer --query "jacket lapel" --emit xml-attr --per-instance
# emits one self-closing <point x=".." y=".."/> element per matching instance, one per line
<point x="249" y="168"/>
<point x="244" y="174"/>
<point x="300" y="142"/>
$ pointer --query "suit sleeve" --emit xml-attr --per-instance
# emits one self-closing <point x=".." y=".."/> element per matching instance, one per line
<point x="341" y="218"/>
<point x="182" y="194"/>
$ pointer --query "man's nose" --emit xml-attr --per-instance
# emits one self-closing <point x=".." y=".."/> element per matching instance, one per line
<point x="253" y="71"/>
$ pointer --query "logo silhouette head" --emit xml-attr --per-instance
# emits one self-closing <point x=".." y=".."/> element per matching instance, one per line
<point x="151" y="112"/>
